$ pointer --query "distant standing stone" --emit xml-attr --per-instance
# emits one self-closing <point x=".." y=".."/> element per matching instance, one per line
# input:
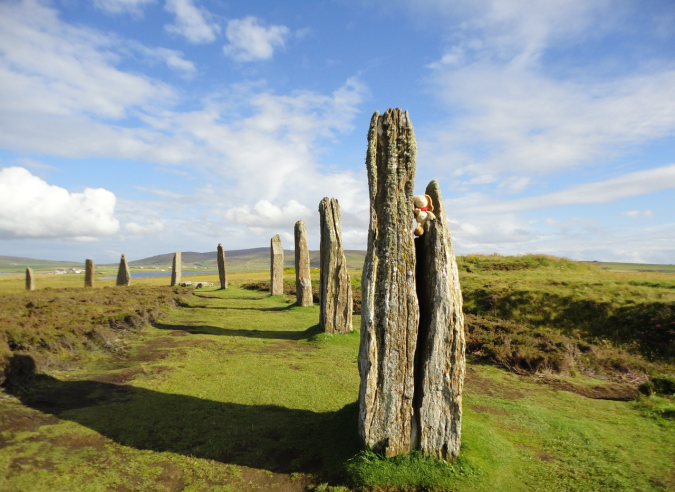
<point x="303" y="281"/>
<point x="89" y="273"/>
<point x="336" y="289"/>
<point x="123" y="274"/>
<point x="222" y="267"/>
<point x="176" y="269"/>
<point x="30" y="279"/>
<point x="389" y="308"/>
<point x="276" y="266"/>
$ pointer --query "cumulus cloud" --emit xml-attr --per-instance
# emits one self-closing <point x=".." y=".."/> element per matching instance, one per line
<point x="31" y="208"/>
<point x="192" y="22"/>
<point x="250" y="41"/>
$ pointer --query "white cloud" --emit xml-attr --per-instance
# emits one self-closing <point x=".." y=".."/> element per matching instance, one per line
<point x="123" y="6"/>
<point x="173" y="59"/>
<point x="611" y="190"/>
<point x="52" y="69"/>
<point x="266" y="214"/>
<point x="149" y="226"/>
<point x="635" y="214"/>
<point x="192" y="22"/>
<point x="31" y="208"/>
<point x="249" y="41"/>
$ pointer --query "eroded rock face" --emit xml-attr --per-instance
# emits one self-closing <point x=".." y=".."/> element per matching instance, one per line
<point x="222" y="267"/>
<point x="89" y="273"/>
<point x="411" y="357"/>
<point x="335" y="289"/>
<point x="176" y="269"/>
<point x="389" y="309"/>
<point x="30" y="279"/>
<point x="276" y="266"/>
<point x="440" y="358"/>
<point x="303" y="281"/>
<point x="123" y="274"/>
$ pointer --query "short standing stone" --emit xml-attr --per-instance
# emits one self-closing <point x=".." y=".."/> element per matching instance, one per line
<point x="276" y="266"/>
<point x="303" y="281"/>
<point x="439" y="360"/>
<point x="89" y="273"/>
<point x="335" y="286"/>
<point x="176" y="270"/>
<point x="30" y="279"/>
<point x="389" y="309"/>
<point x="123" y="274"/>
<point x="222" y="267"/>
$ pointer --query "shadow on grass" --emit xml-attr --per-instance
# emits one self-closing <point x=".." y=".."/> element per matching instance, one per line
<point x="226" y="308"/>
<point x="267" y="334"/>
<point x="267" y="437"/>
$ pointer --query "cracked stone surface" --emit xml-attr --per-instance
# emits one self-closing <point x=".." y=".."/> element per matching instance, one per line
<point x="276" y="266"/>
<point x="335" y="285"/>
<point x="123" y="274"/>
<point x="303" y="281"/>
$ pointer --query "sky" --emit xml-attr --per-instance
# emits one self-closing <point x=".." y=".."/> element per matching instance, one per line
<point x="150" y="126"/>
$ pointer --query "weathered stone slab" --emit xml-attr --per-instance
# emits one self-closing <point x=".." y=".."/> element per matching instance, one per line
<point x="389" y="310"/>
<point x="89" y="273"/>
<point x="123" y="274"/>
<point x="440" y="356"/>
<point x="303" y="281"/>
<point x="276" y="266"/>
<point x="335" y="289"/>
<point x="30" y="279"/>
<point x="222" y="267"/>
<point x="176" y="269"/>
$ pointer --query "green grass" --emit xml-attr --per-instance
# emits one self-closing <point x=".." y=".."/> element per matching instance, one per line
<point x="236" y="390"/>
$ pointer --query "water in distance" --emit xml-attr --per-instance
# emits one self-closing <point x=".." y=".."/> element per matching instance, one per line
<point x="157" y="274"/>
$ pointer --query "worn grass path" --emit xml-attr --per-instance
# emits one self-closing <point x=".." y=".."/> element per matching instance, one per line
<point x="238" y="390"/>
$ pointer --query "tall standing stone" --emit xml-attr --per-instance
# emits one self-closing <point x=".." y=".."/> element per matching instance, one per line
<point x="89" y="273"/>
<point x="176" y="269"/>
<point x="30" y="279"/>
<point x="276" y="266"/>
<point x="222" y="267"/>
<point x="123" y="274"/>
<point x="335" y="289"/>
<point x="303" y="281"/>
<point x="389" y="309"/>
<point x="439" y="360"/>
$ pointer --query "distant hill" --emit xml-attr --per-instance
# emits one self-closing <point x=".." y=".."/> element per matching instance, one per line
<point x="18" y="264"/>
<point x="239" y="260"/>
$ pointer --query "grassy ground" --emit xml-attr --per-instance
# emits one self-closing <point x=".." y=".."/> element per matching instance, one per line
<point x="236" y="390"/>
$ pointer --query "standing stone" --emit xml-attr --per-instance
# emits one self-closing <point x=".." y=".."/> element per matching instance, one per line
<point x="389" y="309"/>
<point x="276" y="266"/>
<point x="303" y="281"/>
<point x="439" y="359"/>
<point x="123" y="274"/>
<point x="89" y="273"/>
<point x="176" y="269"/>
<point x="222" y="267"/>
<point x="30" y="279"/>
<point x="335" y="285"/>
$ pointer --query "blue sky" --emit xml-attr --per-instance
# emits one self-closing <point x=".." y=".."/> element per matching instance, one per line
<point x="150" y="126"/>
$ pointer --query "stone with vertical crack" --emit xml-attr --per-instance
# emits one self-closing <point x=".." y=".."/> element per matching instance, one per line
<point x="389" y="310"/>
<point x="303" y="281"/>
<point x="440" y="356"/>
<point x="335" y="315"/>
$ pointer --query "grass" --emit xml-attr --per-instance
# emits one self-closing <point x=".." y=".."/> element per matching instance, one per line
<point x="236" y="390"/>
